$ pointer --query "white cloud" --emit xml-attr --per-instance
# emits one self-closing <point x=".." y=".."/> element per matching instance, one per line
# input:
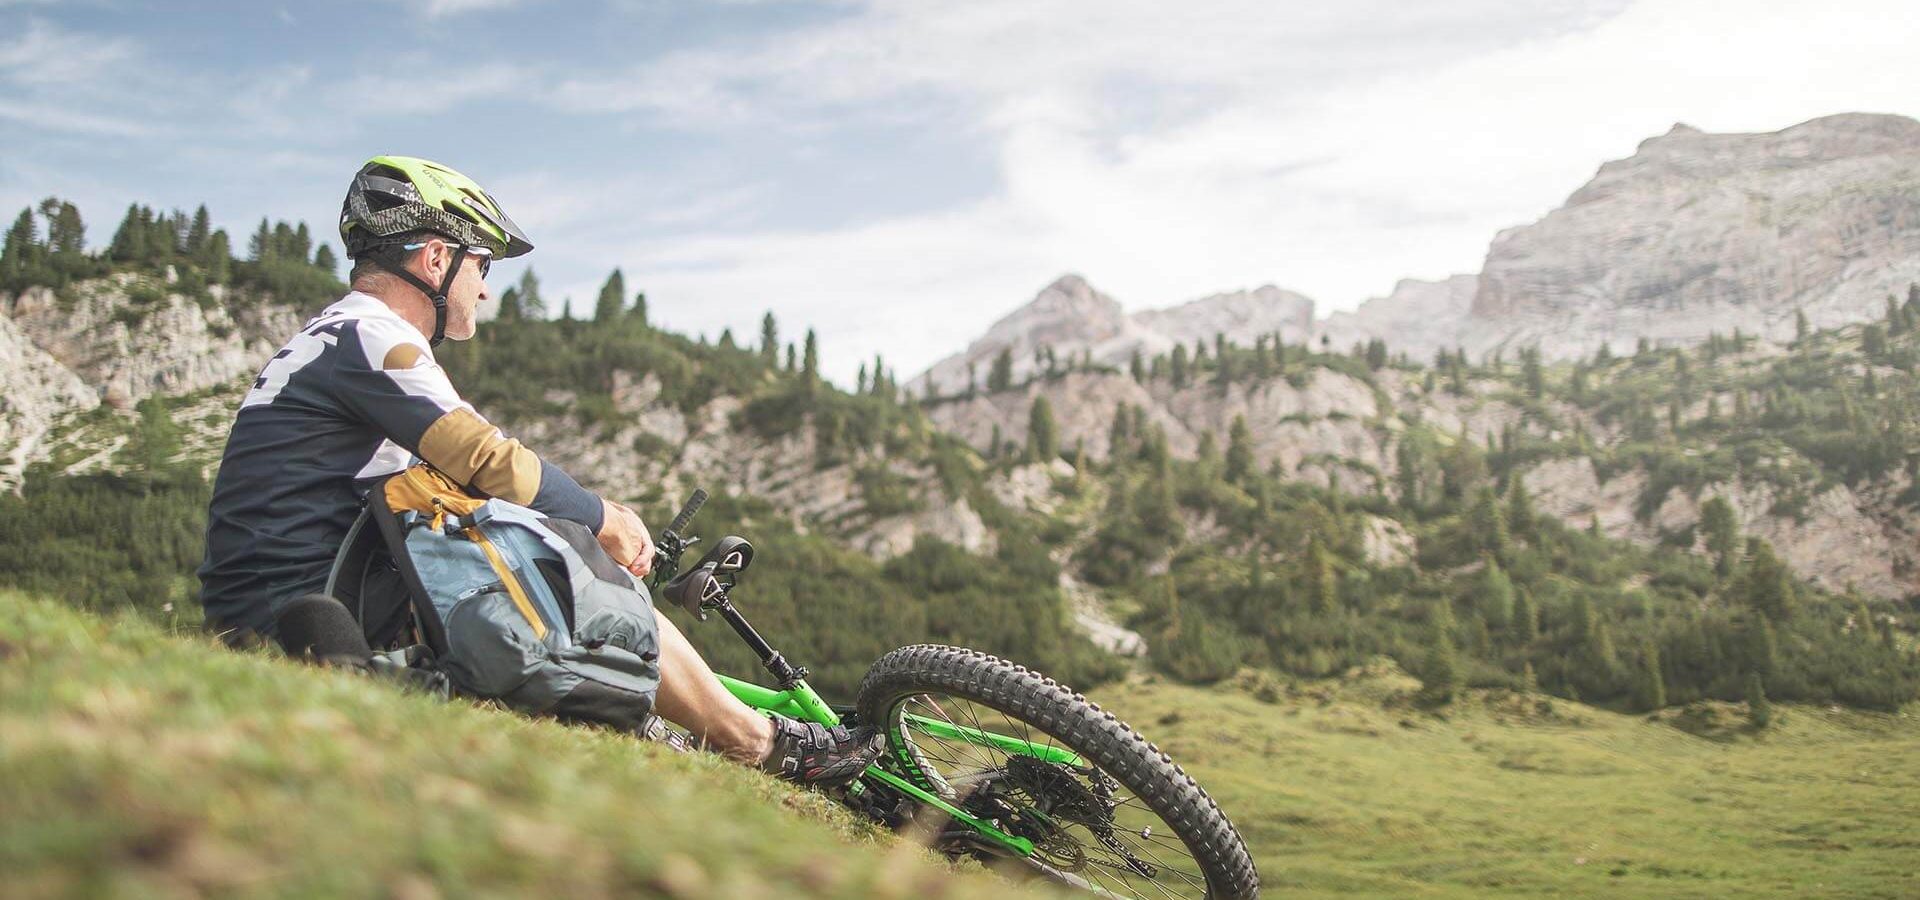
<point x="435" y="9"/>
<point x="41" y="54"/>
<point x="1329" y="148"/>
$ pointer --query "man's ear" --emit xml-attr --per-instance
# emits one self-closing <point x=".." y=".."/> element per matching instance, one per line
<point x="437" y="258"/>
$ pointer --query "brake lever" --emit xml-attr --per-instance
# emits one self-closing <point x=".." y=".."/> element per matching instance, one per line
<point x="668" y="546"/>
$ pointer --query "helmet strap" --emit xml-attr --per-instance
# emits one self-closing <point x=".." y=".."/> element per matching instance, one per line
<point x="437" y="297"/>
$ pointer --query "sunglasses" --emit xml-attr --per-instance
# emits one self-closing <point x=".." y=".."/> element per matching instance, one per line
<point x="475" y="251"/>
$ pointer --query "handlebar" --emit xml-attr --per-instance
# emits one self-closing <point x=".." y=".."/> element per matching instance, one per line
<point x="668" y="545"/>
<point x="680" y="521"/>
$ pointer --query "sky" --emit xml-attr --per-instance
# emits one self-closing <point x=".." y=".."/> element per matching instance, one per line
<point x="897" y="174"/>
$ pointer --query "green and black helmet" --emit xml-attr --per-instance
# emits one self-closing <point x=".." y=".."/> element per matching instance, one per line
<point x="393" y="197"/>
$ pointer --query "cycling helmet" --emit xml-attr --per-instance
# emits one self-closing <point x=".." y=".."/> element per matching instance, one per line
<point x="396" y="196"/>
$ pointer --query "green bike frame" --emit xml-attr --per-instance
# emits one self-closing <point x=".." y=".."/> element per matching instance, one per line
<point x="802" y="702"/>
<point x="798" y="700"/>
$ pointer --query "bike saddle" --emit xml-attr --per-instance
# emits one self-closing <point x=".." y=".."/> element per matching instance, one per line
<point x="711" y="577"/>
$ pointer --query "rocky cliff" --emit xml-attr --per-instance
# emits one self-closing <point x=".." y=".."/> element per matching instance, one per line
<point x="1697" y="233"/>
<point x="117" y="341"/>
<point x="1336" y="429"/>
<point x="1073" y="320"/>
<point x="1418" y="318"/>
<point x="1694" y="234"/>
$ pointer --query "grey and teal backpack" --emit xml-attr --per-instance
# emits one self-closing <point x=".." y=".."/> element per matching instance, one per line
<point x="510" y="604"/>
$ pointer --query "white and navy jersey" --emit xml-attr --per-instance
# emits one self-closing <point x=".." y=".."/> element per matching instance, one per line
<point x="356" y="395"/>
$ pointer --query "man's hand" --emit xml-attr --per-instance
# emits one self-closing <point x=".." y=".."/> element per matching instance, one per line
<point x="626" y="539"/>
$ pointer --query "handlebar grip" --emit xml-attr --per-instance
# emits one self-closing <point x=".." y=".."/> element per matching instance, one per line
<point x="694" y="503"/>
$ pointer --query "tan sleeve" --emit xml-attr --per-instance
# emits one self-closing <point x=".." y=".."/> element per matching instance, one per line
<point x="471" y="450"/>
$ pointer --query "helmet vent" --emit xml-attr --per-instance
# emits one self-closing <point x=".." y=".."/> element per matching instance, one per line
<point x="455" y="209"/>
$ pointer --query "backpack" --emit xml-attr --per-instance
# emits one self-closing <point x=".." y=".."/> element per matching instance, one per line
<point x="512" y="605"/>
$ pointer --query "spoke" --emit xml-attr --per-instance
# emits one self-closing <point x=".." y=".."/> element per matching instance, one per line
<point x="982" y="763"/>
<point x="942" y="713"/>
<point x="1127" y="875"/>
<point x="1157" y="861"/>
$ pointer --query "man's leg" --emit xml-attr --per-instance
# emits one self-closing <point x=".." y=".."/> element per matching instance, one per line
<point x="691" y="697"/>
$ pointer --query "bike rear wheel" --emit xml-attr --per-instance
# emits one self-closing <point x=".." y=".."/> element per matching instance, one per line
<point x="1127" y="820"/>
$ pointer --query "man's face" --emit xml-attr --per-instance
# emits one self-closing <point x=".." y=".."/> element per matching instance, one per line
<point x="469" y="288"/>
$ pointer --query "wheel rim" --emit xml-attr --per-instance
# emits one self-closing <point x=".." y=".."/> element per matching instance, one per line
<point x="1131" y="852"/>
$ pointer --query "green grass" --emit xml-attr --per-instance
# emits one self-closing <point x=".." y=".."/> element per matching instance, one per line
<point x="135" y="763"/>
<point x="1344" y="788"/>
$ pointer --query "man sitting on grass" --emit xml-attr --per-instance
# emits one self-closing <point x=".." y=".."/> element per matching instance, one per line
<point x="356" y="395"/>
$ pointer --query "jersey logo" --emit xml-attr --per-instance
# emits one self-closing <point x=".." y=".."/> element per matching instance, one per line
<point x="304" y="348"/>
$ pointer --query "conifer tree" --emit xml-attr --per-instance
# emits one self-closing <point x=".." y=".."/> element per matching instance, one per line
<point x="199" y="232"/>
<point x="1322" y="584"/>
<point x="1721" y="531"/>
<point x="219" y="257"/>
<point x="1137" y="367"/>
<point x="1000" y="377"/>
<point x="1520" y="518"/>
<point x="1179" y="365"/>
<point x="792" y="355"/>
<point x="531" y="304"/>
<point x="1496" y="595"/>
<point x="993" y="443"/>
<point x="510" y="310"/>
<point x="613" y="297"/>
<point x="638" y="311"/>
<point x="1526" y="619"/>
<point x="155" y="440"/>
<point x="1767" y="585"/>
<point x="1759" y="711"/>
<point x="1800" y="327"/>
<point x="1490" y="523"/>
<point x="18" y="251"/>
<point x="769" y="340"/>
<point x="129" y="242"/>
<point x="1440" y="676"/>
<point x="1226" y="370"/>
<point x="1873" y="342"/>
<point x="66" y="234"/>
<point x="810" y="361"/>
<point x="1651" y="691"/>
<point x="1117" y="431"/>
<point x="1239" y="450"/>
<point x="860" y="383"/>
<point x="324" y="260"/>
<point x="1043" y="444"/>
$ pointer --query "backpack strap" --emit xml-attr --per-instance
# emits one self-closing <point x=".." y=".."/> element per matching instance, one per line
<point x="381" y="510"/>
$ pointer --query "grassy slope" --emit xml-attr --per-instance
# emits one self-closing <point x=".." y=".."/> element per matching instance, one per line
<point x="133" y="763"/>
<point x="1341" y="791"/>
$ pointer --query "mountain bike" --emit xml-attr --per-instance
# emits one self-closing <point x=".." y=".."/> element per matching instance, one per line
<point x="990" y="760"/>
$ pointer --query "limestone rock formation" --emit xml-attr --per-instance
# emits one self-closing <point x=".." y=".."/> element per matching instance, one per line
<point x="1075" y="321"/>
<point x="35" y="391"/>
<point x="1418" y="318"/>
<point x="129" y="348"/>
<point x="1697" y="233"/>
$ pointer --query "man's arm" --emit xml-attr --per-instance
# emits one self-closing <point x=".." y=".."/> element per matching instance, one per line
<point x="391" y="382"/>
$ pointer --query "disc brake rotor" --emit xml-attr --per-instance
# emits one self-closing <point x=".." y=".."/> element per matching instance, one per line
<point x="1060" y="791"/>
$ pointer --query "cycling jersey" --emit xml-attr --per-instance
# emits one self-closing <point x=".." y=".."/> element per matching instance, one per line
<point x="354" y="396"/>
